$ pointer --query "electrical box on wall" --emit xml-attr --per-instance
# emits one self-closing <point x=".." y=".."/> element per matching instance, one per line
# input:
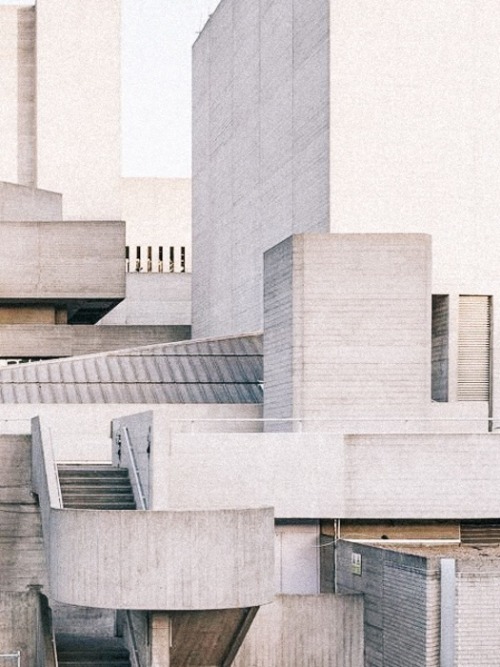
<point x="356" y="564"/>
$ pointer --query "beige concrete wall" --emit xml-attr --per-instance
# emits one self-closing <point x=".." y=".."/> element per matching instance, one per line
<point x="26" y="111"/>
<point x="24" y="204"/>
<point x="197" y="560"/>
<point x="18" y="626"/>
<point x="320" y="630"/>
<point x="59" y="260"/>
<point x="153" y="298"/>
<point x="9" y="75"/>
<point x="313" y="475"/>
<point x="346" y="321"/>
<point x="158" y="213"/>
<point x="150" y="434"/>
<point x="56" y="340"/>
<point x="17" y="82"/>
<point x="407" y="123"/>
<point x="260" y="149"/>
<point x="78" y="105"/>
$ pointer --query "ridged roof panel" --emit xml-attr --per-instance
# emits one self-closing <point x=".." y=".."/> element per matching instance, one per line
<point x="226" y="370"/>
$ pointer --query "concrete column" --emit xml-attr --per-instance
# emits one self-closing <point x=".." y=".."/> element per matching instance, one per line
<point x="161" y="639"/>
<point x="448" y="593"/>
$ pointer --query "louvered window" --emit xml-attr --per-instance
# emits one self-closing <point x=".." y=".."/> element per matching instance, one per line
<point x="474" y="335"/>
<point x="440" y="347"/>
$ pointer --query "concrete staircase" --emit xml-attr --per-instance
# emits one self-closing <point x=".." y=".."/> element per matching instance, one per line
<point x="99" y="487"/>
<point x="80" y="651"/>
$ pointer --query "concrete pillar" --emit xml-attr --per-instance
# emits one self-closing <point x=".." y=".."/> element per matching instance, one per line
<point x="161" y="639"/>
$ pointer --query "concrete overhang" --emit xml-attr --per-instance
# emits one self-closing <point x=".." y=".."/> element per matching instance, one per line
<point x="75" y="265"/>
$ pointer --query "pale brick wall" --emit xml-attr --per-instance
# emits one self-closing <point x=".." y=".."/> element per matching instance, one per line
<point x="477" y="634"/>
<point x="401" y="627"/>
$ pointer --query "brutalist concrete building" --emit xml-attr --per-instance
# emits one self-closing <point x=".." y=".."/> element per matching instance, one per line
<point x="305" y="470"/>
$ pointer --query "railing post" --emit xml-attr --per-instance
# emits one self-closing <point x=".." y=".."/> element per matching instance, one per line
<point x="135" y="470"/>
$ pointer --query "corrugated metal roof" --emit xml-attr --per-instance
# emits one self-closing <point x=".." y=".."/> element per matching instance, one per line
<point x="222" y="370"/>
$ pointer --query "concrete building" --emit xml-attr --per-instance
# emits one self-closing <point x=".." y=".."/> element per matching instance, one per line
<point x="60" y="73"/>
<point x="309" y="479"/>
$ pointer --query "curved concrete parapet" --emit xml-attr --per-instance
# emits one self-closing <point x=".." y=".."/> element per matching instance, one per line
<point x="177" y="560"/>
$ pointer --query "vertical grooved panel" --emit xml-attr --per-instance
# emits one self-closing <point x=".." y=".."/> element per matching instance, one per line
<point x="474" y="348"/>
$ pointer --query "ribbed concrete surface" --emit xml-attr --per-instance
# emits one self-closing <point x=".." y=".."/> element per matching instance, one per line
<point x="227" y="370"/>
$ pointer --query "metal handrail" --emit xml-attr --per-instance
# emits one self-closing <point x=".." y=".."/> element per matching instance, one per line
<point x="135" y="651"/>
<point x="54" y="466"/>
<point x="135" y="469"/>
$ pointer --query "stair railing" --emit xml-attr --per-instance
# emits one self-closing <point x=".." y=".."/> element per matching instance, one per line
<point x="135" y="470"/>
<point x="134" y="653"/>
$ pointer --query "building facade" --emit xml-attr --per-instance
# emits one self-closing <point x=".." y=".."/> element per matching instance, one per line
<point x="295" y="483"/>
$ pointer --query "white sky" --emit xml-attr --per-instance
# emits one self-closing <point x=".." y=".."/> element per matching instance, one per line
<point x="156" y="78"/>
<point x="156" y="115"/>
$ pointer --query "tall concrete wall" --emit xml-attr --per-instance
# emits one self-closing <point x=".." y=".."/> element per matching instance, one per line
<point x="413" y="144"/>
<point x="78" y="105"/>
<point x="346" y="322"/>
<point x="320" y="630"/>
<point x="22" y="557"/>
<point x="17" y="82"/>
<point x="260" y="149"/>
<point x="401" y="604"/>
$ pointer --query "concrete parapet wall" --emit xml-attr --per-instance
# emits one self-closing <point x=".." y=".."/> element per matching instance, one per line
<point x="197" y="560"/>
<point x="320" y="630"/>
<point x="312" y="475"/>
<point x="60" y="340"/>
<point x="214" y="559"/>
<point x="61" y="260"/>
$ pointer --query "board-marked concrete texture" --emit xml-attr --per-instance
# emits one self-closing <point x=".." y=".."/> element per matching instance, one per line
<point x="346" y="321"/>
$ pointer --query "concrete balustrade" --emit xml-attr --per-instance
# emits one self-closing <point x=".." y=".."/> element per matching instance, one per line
<point x="182" y="560"/>
<point x="177" y="559"/>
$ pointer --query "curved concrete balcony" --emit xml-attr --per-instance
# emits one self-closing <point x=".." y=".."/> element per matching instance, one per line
<point x="177" y="560"/>
<point x="146" y="559"/>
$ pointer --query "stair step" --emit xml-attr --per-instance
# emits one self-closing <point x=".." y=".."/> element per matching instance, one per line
<point x="103" y="662"/>
<point x="85" y="493"/>
<point x="84" y="651"/>
<point x="100" y="506"/>
<point x="121" y="483"/>
<point x="96" y="488"/>
<point x="120" y="473"/>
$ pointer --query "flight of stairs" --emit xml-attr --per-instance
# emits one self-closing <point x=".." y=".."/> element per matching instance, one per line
<point x="100" y="487"/>
<point x="81" y="651"/>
